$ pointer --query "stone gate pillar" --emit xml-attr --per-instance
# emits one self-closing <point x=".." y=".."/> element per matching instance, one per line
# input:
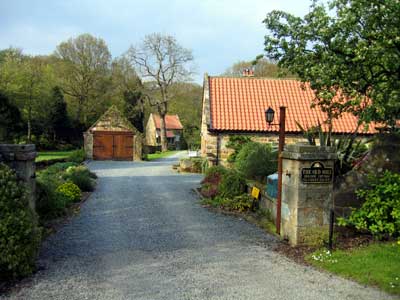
<point x="21" y="158"/>
<point x="307" y="192"/>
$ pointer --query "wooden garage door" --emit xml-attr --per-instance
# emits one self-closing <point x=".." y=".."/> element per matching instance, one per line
<point x="112" y="145"/>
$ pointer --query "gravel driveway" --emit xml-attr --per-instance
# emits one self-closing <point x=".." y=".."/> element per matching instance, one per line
<point x="143" y="235"/>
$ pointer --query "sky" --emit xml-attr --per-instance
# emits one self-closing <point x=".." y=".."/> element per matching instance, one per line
<point x="219" y="32"/>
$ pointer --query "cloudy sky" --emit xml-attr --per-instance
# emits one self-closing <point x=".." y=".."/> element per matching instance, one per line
<point x="219" y="32"/>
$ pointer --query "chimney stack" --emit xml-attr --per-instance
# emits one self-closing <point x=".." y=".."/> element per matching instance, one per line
<point x="248" y="72"/>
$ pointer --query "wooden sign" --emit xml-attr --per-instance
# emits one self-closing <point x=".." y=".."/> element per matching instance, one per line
<point x="317" y="174"/>
<point x="255" y="192"/>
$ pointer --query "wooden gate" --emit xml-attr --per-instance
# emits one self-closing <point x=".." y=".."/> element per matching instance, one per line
<point x="113" y="145"/>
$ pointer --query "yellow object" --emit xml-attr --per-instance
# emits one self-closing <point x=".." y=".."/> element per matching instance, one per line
<point x="255" y="192"/>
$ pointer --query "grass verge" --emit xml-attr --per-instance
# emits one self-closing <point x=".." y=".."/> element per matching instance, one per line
<point x="377" y="264"/>
<point x="48" y="155"/>
<point x="154" y="156"/>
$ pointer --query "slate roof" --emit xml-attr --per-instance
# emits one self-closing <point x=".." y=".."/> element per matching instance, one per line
<point x="172" y="122"/>
<point x="239" y="103"/>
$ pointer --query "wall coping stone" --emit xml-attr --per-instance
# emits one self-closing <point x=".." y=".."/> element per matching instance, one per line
<point x="10" y="152"/>
<point x="302" y="151"/>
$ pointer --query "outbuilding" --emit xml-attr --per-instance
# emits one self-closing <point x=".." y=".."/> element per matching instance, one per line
<point x="113" y="137"/>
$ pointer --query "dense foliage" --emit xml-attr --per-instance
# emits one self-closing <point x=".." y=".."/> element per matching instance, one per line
<point x="210" y="183"/>
<point x="232" y="184"/>
<point x="352" y="48"/>
<point x="256" y="160"/>
<point x="236" y="142"/>
<point x="70" y="192"/>
<point x="60" y="185"/>
<point x="380" y="212"/>
<point x="82" y="177"/>
<point x="19" y="234"/>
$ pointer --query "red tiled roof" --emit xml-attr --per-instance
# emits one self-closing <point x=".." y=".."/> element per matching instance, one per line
<point x="171" y="122"/>
<point x="170" y="134"/>
<point x="238" y="104"/>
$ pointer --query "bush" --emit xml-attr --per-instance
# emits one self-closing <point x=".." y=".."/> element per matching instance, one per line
<point x="82" y="177"/>
<point x="232" y="184"/>
<point x="49" y="203"/>
<point x="59" y="167"/>
<point x="19" y="233"/>
<point x="77" y="156"/>
<point x="70" y="192"/>
<point x="380" y="213"/>
<point x="256" y="160"/>
<point x="241" y="203"/>
<point x="211" y="181"/>
<point x="236" y="142"/>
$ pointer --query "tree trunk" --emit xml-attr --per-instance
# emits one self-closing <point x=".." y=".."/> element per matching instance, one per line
<point x="29" y="134"/>
<point x="162" y="109"/>
<point x="163" y="132"/>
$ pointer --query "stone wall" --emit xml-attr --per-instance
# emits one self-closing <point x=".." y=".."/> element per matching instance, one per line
<point x="88" y="144"/>
<point x="21" y="158"/>
<point x="385" y="155"/>
<point x="215" y="144"/>
<point x="151" y="132"/>
<point x="137" y="147"/>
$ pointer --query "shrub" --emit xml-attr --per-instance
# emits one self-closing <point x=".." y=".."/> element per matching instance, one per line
<point x="236" y="142"/>
<point x="49" y="203"/>
<point x="256" y="160"/>
<point x="70" y="191"/>
<point x="232" y="184"/>
<point x="81" y="176"/>
<point x="211" y="181"/>
<point x="59" y="167"/>
<point x="242" y="202"/>
<point x="380" y="213"/>
<point x="77" y="156"/>
<point x="19" y="233"/>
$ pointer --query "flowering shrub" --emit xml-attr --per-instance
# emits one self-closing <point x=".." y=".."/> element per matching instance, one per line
<point x="70" y="191"/>
<point x="212" y="180"/>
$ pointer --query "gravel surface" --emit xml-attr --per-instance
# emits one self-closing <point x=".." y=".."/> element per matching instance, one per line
<point x="143" y="235"/>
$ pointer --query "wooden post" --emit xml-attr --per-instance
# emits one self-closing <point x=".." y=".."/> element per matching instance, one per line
<point x="282" y="117"/>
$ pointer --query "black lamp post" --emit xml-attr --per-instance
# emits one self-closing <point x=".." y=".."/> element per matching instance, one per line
<point x="269" y="117"/>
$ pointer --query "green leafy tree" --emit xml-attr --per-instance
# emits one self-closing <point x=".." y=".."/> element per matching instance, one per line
<point x="84" y="73"/>
<point x="350" y="50"/>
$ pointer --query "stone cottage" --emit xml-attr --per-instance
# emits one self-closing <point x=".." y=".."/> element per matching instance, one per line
<point x="113" y="137"/>
<point x="236" y="106"/>
<point x="173" y="126"/>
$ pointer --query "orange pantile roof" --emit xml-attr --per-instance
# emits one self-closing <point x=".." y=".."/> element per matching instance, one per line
<point x="238" y="104"/>
<point x="171" y="122"/>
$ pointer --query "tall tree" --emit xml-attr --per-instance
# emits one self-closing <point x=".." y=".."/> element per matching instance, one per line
<point x="10" y="119"/>
<point x="59" y="121"/>
<point x="85" y="66"/>
<point x="128" y="87"/>
<point x="32" y="79"/>
<point x="350" y="50"/>
<point x="162" y="60"/>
